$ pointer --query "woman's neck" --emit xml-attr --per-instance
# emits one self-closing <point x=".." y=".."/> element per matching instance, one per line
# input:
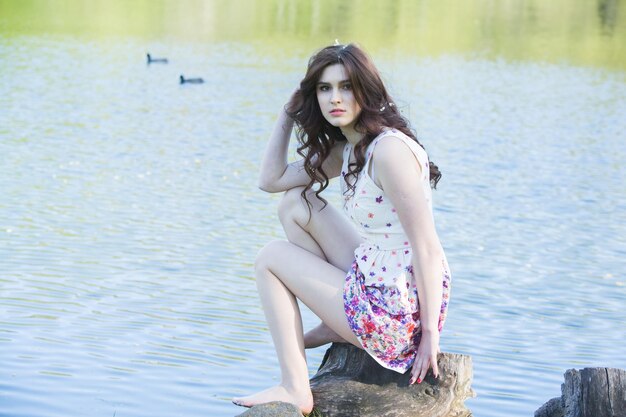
<point x="352" y="135"/>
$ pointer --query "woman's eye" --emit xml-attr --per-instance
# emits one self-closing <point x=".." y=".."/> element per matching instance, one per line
<point x="347" y="86"/>
<point x="323" y="88"/>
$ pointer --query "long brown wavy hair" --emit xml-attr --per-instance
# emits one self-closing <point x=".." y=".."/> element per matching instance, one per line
<point x="317" y="137"/>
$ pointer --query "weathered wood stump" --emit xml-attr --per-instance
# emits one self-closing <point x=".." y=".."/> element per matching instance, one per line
<point x="590" y="392"/>
<point x="350" y="383"/>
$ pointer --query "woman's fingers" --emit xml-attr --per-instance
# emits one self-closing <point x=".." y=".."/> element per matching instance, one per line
<point x="423" y="370"/>
<point x="413" y="372"/>
<point x="435" y="366"/>
<point x="425" y="358"/>
<point x="421" y="366"/>
<point x="415" y="369"/>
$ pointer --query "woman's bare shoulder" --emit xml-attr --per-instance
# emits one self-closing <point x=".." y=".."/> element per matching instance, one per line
<point x="395" y="150"/>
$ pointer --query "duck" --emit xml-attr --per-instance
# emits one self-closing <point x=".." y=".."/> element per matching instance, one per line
<point x="156" y="60"/>
<point x="184" y="80"/>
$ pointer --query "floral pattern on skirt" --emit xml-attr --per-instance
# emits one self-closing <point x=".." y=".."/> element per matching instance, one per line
<point x="391" y="339"/>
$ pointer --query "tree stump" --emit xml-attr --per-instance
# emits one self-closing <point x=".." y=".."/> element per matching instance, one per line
<point x="590" y="392"/>
<point x="350" y="383"/>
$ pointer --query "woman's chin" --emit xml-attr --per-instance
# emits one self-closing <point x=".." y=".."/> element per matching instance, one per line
<point x="343" y="125"/>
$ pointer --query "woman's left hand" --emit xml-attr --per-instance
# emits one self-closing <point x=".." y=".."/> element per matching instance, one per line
<point x="426" y="357"/>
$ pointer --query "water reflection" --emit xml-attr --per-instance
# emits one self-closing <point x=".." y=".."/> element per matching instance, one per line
<point x="130" y="218"/>
<point x="608" y="11"/>
<point x="579" y="32"/>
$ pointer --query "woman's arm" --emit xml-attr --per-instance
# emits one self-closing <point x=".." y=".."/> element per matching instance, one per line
<point x="277" y="174"/>
<point x="398" y="172"/>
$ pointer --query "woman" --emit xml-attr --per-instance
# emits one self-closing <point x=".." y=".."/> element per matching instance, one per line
<point x="393" y="300"/>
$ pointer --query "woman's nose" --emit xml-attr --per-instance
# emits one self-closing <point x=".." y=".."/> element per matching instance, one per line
<point x="335" y="97"/>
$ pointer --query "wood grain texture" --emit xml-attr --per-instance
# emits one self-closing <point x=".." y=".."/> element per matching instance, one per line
<point x="590" y="392"/>
<point x="350" y="383"/>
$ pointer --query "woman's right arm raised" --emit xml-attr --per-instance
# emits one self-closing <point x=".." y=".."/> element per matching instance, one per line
<point x="276" y="173"/>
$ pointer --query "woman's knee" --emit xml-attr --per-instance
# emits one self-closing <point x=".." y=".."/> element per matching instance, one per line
<point x="268" y="254"/>
<point x="294" y="207"/>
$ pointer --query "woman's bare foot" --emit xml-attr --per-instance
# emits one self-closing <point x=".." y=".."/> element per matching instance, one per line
<point x="321" y="335"/>
<point x="303" y="399"/>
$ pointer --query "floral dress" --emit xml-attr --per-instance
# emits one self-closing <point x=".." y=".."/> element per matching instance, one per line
<point x="380" y="293"/>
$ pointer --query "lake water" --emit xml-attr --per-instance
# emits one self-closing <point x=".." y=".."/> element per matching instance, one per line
<point x="130" y="217"/>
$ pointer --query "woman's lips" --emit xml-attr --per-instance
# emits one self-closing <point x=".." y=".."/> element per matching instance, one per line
<point x="337" y="112"/>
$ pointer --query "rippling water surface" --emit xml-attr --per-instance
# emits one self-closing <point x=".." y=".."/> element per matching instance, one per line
<point x="130" y="219"/>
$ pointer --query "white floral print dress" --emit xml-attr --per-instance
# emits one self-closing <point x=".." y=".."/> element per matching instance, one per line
<point x="380" y="293"/>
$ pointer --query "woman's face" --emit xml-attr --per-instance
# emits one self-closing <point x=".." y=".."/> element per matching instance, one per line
<point x="336" y="98"/>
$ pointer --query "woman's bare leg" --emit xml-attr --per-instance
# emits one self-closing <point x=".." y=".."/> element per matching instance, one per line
<point x="321" y="335"/>
<point x="326" y="233"/>
<point x="323" y="231"/>
<point x="286" y="271"/>
<point x="301" y="268"/>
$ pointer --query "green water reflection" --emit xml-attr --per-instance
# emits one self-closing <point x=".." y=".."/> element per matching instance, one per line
<point x="579" y="32"/>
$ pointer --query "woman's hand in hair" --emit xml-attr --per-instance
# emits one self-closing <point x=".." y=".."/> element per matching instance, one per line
<point x="292" y="102"/>
<point x="276" y="173"/>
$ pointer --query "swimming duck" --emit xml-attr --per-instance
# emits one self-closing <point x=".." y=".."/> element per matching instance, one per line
<point x="184" y="80"/>
<point x="156" y="60"/>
